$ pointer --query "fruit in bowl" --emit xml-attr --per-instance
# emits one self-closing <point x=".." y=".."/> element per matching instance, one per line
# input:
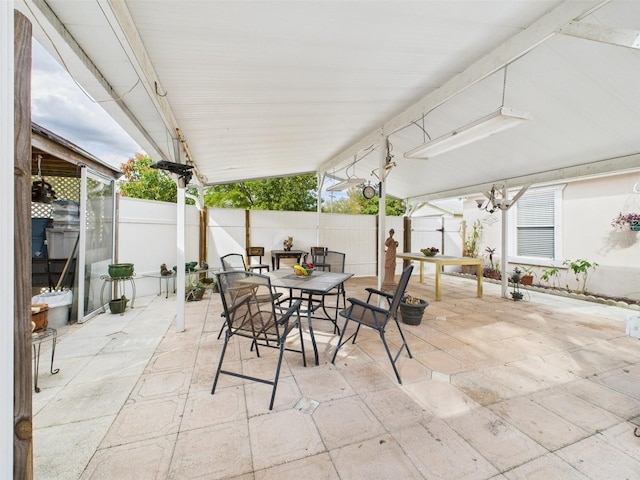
<point x="303" y="270"/>
<point x="430" y="252"/>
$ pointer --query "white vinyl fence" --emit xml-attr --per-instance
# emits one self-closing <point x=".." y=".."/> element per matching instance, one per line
<point x="147" y="236"/>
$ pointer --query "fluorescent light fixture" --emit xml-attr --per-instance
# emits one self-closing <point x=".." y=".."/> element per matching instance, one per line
<point x="345" y="184"/>
<point x="502" y="119"/>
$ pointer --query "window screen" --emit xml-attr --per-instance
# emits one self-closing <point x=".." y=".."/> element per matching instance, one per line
<point x="536" y="224"/>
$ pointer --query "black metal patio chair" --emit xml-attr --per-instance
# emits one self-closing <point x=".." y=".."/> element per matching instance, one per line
<point x="368" y="314"/>
<point x="261" y="322"/>
<point x="235" y="262"/>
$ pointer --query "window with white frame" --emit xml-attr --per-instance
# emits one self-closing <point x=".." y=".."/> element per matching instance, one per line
<point x="535" y="220"/>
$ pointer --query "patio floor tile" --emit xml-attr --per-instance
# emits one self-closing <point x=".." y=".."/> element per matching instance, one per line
<point x="542" y="389"/>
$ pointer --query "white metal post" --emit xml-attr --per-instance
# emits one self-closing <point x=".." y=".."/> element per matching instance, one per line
<point x="180" y="244"/>
<point x="503" y="256"/>
<point x="382" y="230"/>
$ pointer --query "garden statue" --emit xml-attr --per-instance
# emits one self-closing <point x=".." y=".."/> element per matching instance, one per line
<point x="389" y="283"/>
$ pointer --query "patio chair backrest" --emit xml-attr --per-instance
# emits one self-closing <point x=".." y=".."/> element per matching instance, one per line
<point x="334" y="261"/>
<point x="245" y="314"/>
<point x="402" y="287"/>
<point x="233" y="261"/>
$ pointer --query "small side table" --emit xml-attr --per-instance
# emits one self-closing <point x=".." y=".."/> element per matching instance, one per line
<point x="109" y="279"/>
<point x="166" y="278"/>
<point x="36" y="341"/>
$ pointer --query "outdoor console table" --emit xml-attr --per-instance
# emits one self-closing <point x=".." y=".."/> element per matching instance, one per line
<point x="276" y="255"/>
<point x="440" y="261"/>
<point x="318" y="283"/>
<point x="166" y="278"/>
<point x="36" y="341"/>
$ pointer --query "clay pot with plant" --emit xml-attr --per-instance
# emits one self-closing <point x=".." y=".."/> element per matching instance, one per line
<point x="526" y="275"/>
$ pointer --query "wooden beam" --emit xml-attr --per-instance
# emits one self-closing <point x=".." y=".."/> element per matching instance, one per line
<point x="22" y="394"/>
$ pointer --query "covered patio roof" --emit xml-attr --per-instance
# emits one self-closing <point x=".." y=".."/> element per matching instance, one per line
<point x="246" y="90"/>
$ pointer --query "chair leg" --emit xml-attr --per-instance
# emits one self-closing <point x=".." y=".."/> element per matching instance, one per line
<point x="275" y="380"/>
<point x="393" y="361"/>
<point x="404" y="341"/>
<point x="224" y="349"/>
<point x="344" y="329"/>
<point x="304" y="356"/>
<point x="355" y="335"/>
<point x="224" y="324"/>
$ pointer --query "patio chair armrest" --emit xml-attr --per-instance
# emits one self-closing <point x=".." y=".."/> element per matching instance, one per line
<point x="238" y="302"/>
<point x="290" y="311"/>
<point x="360" y="303"/>
<point x="375" y="291"/>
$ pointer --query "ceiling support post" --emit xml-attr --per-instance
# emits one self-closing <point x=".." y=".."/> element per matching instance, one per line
<point x="382" y="230"/>
<point x="180" y="246"/>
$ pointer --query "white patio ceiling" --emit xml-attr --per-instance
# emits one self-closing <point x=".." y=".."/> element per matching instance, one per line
<point x="272" y="88"/>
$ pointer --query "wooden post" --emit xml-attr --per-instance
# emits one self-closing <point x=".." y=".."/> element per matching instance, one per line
<point x="202" y="244"/>
<point x="247" y="234"/>
<point x="22" y="412"/>
<point x="406" y="238"/>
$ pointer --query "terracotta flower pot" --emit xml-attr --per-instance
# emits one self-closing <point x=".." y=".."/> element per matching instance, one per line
<point x="527" y="280"/>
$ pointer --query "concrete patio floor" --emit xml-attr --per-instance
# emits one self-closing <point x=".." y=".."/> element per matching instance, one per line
<point x="546" y="388"/>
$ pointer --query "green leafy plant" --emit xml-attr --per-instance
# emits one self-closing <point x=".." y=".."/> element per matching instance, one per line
<point x="580" y="269"/>
<point x="472" y="239"/>
<point x="527" y="274"/>
<point x="550" y="275"/>
<point x="525" y="270"/>
<point x="194" y="290"/>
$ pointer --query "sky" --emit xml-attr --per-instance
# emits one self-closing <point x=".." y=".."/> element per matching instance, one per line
<point x="58" y="104"/>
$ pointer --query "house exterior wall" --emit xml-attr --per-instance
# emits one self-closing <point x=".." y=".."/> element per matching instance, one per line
<point x="587" y="209"/>
<point x="147" y="233"/>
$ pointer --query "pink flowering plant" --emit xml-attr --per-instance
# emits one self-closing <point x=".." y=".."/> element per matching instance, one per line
<point x="626" y="221"/>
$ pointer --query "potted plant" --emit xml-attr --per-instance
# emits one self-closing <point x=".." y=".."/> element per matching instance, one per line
<point x="550" y="275"/>
<point x="412" y="309"/>
<point x="194" y="291"/>
<point x="527" y="275"/>
<point x="516" y="278"/>
<point x="627" y="221"/>
<point x="580" y="269"/>
<point x="470" y="246"/>
<point x="493" y="269"/>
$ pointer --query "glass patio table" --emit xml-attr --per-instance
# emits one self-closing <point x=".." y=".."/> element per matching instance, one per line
<point x="318" y="283"/>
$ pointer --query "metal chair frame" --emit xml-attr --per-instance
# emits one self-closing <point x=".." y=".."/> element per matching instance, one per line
<point x="256" y="252"/>
<point x="368" y="314"/>
<point x="262" y="322"/>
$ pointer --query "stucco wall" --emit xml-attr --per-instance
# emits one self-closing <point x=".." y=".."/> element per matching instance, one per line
<point x="588" y="208"/>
